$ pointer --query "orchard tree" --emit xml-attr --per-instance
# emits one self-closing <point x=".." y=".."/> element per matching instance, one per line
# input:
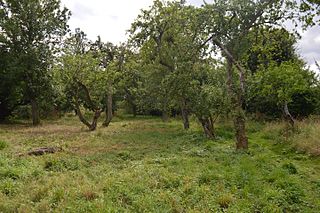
<point x="270" y="46"/>
<point x="11" y="82"/>
<point x="282" y="82"/>
<point x="32" y="29"/>
<point x="111" y="61"/>
<point x="152" y="33"/>
<point x="130" y="85"/>
<point x="170" y="41"/>
<point x="228" y="24"/>
<point x="209" y="99"/>
<point x="82" y="78"/>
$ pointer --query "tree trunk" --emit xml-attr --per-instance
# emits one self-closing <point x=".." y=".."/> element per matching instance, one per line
<point x="134" y="110"/>
<point x="239" y="114"/>
<point x="94" y="123"/>
<point x="288" y="115"/>
<point x="208" y="127"/>
<point x="92" y="126"/>
<point x="185" y="115"/>
<point x="4" y="112"/>
<point x="109" y="112"/>
<point x="165" y="116"/>
<point x="35" y="113"/>
<point x="240" y="126"/>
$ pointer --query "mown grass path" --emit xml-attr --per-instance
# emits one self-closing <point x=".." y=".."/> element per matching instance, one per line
<point x="144" y="165"/>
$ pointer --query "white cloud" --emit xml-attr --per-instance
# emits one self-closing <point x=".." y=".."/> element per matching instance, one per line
<point x="109" y="19"/>
<point x="309" y="46"/>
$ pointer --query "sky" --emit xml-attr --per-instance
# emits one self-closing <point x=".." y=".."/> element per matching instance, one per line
<point x="111" y="18"/>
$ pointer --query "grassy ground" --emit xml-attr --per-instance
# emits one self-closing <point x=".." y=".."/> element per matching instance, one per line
<point x="144" y="165"/>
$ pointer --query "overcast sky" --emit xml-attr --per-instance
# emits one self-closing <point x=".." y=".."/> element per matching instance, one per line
<point x="111" y="18"/>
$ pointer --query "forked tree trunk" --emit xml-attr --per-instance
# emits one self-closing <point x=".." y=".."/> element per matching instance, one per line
<point x="208" y="127"/>
<point x="239" y="114"/>
<point x="185" y="115"/>
<point x="95" y="119"/>
<point x="109" y="112"/>
<point x="288" y="115"/>
<point x="35" y="112"/>
<point x="92" y="126"/>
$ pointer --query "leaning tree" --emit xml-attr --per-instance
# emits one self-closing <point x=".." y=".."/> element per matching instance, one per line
<point x="82" y="79"/>
<point x="228" y="24"/>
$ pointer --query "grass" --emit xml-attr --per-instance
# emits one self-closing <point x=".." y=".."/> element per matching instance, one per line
<point x="144" y="165"/>
<point x="308" y="138"/>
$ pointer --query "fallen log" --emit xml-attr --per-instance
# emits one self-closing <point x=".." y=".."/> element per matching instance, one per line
<point x="41" y="151"/>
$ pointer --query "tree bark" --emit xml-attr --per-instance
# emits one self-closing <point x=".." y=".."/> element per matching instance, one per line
<point x="240" y="126"/>
<point x="208" y="127"/>
<point x="4" y="112"/>
<point x="94" y="123"/>
<point x="288" y="115"/>
<point x="185" y="115"/>
<point x="35" y="112"/>
<point x="239" y="114"/>
<point x="134" y="110"/>
<point x="92" y="126"/>
<point x="109" y="112"/>
<point x="165" y="116"/>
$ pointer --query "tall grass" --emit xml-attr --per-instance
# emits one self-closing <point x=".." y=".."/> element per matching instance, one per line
<point x="308" y="137"/>
<point x="304" y="138"/>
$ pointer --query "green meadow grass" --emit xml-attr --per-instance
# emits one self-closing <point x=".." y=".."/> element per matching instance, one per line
<point x="144" y="165"/>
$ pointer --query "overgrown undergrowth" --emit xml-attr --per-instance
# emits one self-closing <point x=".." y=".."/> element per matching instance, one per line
<point x="144" y="165"/>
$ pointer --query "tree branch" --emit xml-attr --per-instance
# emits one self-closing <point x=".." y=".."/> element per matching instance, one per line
<point x="230" y="56"/>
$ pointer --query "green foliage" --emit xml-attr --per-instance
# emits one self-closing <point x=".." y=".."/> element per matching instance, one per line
<point x="3" y="145"/>
<point x="78" y="70"/>
<point x="30" y="32"/>
<point x="282" y="82"/>
<point x="268" y="46"/>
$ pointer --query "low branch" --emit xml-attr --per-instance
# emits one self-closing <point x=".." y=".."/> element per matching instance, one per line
<point x="88" y="97"/>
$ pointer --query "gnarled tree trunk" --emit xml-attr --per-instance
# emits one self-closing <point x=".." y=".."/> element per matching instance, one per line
<point x="208" y="126"/>
<point x="288" y="115"/>
<point x="94" y="123"/>
<point x="185" y="115"/>
<point x="237" y="102"/>
<point x="109" y="113"/>
<point x="97" y="113"/>
<point x="165" y="114"/>
<point x="35" y="112"/>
